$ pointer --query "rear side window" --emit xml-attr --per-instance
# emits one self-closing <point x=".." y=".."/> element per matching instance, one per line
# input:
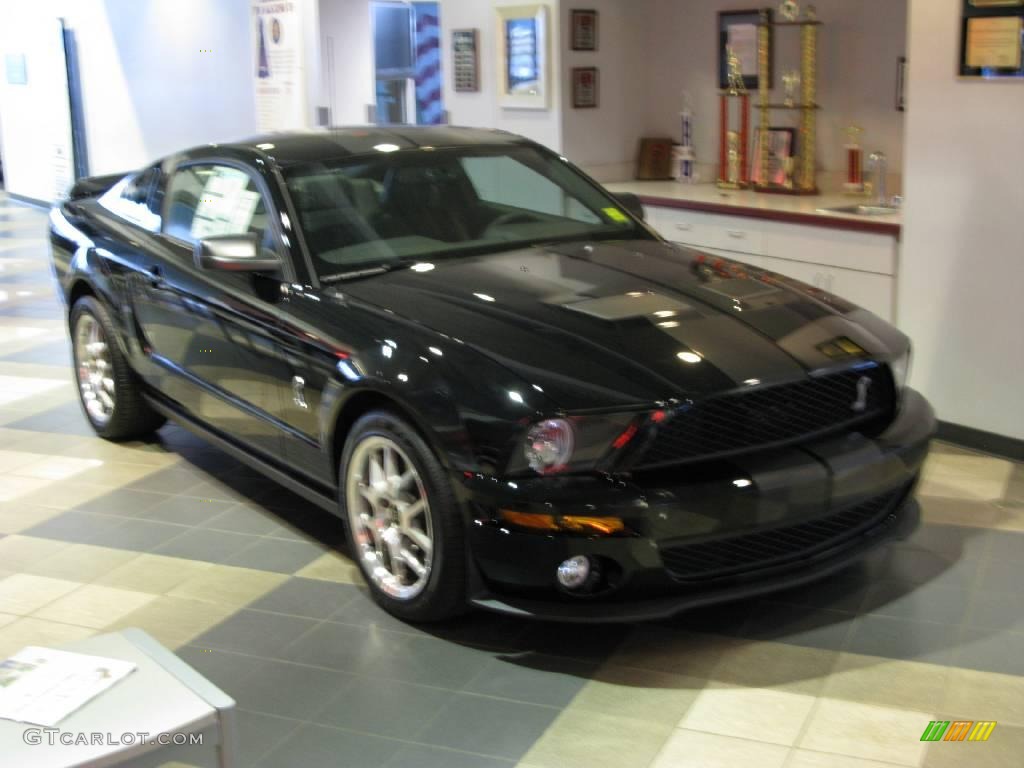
<point x="132" y="199"/>
<point x="208" y="200"/>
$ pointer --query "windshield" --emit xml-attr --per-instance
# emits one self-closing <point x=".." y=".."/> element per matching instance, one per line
<point x="427" y="204"/>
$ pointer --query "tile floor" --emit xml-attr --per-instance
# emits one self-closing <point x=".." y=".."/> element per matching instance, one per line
<point x="250" y="586"/>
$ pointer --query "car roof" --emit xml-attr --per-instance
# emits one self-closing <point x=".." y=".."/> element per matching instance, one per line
<point x="317" y="145"/>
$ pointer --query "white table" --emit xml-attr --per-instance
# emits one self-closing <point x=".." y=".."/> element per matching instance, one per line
<point x="163" y="695"/>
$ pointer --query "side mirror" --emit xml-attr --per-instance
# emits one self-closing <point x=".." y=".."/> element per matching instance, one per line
<point x="233" y="253"/>
<point x="631" y="203"/>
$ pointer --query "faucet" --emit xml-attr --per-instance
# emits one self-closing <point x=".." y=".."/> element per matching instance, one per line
<point x="880" y="163"/>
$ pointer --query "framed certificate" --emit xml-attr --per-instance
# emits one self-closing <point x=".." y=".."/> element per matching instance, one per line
<point x="465" y="60"/>
<point x="584" y="30"/>
<point x="584" y="87"/>
<point x="992" y="41"/>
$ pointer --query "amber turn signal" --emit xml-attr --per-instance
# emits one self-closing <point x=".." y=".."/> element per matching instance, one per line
<point x="603" y="526"/>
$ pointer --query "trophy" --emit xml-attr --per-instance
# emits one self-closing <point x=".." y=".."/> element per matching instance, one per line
<point x="811" y="14"/>
<point x="732" y="144"/>
<point x="789" y="10"/>
<point x="791" y="82"/>
<point x="854" y="184"/>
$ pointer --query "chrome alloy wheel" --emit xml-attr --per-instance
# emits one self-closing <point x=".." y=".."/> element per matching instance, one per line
<point x="389" y="517"/>
<point x="95" y="372"/>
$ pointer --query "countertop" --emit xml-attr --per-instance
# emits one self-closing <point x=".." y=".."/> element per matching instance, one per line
<point x="794" y="209"/>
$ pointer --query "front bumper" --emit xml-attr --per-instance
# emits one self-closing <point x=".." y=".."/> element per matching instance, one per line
<point x="703" y="533"/>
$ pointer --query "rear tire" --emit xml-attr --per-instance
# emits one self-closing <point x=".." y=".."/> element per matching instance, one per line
<point x="108" y="389"/>
<point x="402" y="520"/>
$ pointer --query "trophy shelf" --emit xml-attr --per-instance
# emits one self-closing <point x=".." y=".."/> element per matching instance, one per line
<point x="790" y="106"/>
<point x="807" y="23"/>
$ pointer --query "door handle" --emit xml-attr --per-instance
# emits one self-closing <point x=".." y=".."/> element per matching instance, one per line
<point x="156" y="276"/>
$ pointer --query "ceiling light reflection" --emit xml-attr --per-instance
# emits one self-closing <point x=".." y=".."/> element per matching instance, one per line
<point x="689" y="357"/>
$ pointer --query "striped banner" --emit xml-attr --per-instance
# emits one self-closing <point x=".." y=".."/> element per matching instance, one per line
<point x="429" y="104"/>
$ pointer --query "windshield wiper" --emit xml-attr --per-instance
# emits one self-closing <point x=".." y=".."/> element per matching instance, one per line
<point x="356" y="273"/>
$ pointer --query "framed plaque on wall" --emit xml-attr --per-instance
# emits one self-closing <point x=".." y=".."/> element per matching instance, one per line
<point x="992" y="39"/>
<point x="584" y="87"/>
<point x="465" y="60"/>
<point x="523" y="80"/>
<point x="584" y="30"/>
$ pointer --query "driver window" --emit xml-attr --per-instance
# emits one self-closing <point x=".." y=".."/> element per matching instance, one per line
<point x="206" y="200"/>
<point x="508" y="183"/>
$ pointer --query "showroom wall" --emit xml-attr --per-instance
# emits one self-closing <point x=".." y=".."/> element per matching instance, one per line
<point x="962" y="263"/>
<point x="857" y="78"/>
<point x="603" y="140"/>
<point x="482" y="108"/>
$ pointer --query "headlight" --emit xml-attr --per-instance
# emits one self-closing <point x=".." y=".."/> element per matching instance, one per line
<point x="548" y="446"/>
<point x="900" y="368"/>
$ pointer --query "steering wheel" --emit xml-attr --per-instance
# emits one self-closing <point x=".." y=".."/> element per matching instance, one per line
<point x="512" y="217"/>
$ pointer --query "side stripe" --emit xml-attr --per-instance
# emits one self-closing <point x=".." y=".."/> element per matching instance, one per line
<point x="935" y="730"/>
<point x="982" y="730"/>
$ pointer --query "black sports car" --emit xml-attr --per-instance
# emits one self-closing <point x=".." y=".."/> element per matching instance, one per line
<point x="512" y="392"/>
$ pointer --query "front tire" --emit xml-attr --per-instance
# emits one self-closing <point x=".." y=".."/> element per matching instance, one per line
<point x="108" y="389"/>
<point x="402" y="520"/>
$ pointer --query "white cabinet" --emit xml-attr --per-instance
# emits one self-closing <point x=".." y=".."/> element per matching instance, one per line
<point x="858" y="266"/>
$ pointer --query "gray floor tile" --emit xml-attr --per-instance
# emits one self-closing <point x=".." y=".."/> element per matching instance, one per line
<point x="1006" y="545"/>
<point x="344" y="647"/>
<point x="122" y="502"/>
<point x="364" y="611"/>
<point x="799" y="625"/>
<point x="916" y="566"/>
<point x="241" y="492"/>
<point x="267" y="686"/>
<point x="902" y="639"/>
<point x="275" y="555"/>
<point x="533" y="679"/>
<point x="843" y="591"/>
<point x="399" y="710"/>
<point x="504" y="729"/>
<point x="436" y="757"/>
<point x="316" y="746"/>
<point x="79" y="527"/>
<point x="922" y="602"/>
<point x="138" y="535"/>
<point x="577" y="641"/>
<point x="184" y="510"/>
<point x="255" y="632"/>
<point x="66" y="419"/>
<point x="259" y="734"/>
<point x="57" y="353"/>
<point x="954" y="541"/>
<point x="207" y="545"/>
<point x="1000" y="576"/>
<point x="244" y="518"/>
<point x="991" y="610"/>
<point x="311" y="598"/>
<point x="429" y="661"/>
<point x="991" y="651"/>
<point x="172" y="480"/>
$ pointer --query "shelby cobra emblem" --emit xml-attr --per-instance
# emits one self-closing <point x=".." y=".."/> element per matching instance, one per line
<point x="861" y="403"/>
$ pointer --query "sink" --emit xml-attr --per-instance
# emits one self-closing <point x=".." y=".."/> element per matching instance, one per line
<point x="862" y="210"/>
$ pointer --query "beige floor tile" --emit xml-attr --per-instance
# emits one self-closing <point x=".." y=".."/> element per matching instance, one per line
<point x="761" y="714"/>
<point x="779" y="666"/>
<point x="672" y="650"/>
<point x="115" y="474"/>
<point x="16" y="516"/>
<point x="175" y="621"/>
<point x="1010" y="518"/>
<point x="899" y="684"/>
<point x="580" y="739"/>
<point x="10" y="460"/>
<point x="94" y="606"/>
<point x="867" y="731"/>
<point x="333" y="567"/>
<point x="984" y="695"/>
<point x="1004" y="749"/>
<point x="81" y="562"/>
<point x="62" y="495"/>
<point x="977" y="477"/>
<point x="23" y="593"/>
<point x="155" y="574"/>
<point x="805" y="758"/>
<point x="56" y="467"/>
<point x="17" y="552"/>
<point x="641" y="694"/>
<point x="693" y="749"/>
<point x="14" y="488"/>
<point x="228" y="585"/>
<point x="31" y="631"/>
<point x="947" y="511"/>
<point x="7" y="618"/>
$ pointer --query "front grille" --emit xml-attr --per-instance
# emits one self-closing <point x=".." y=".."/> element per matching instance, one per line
<point x="746" y="420"/>
<point x="718" y="558"/>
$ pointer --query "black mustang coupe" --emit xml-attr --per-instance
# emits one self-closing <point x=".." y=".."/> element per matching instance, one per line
<point x="512" y="392"/>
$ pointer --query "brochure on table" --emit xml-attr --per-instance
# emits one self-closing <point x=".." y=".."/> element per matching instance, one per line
<point x="43" y="685"/>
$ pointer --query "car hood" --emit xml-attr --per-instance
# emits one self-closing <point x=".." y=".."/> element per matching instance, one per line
<point x="612" y="324"/>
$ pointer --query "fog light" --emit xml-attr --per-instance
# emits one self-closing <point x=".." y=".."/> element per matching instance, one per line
<point x="574" y="572"/>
